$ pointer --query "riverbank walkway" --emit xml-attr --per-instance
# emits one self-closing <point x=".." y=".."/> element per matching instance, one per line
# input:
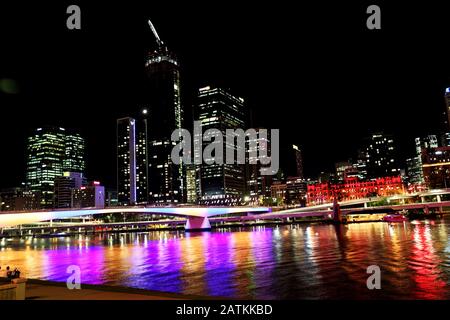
<point x="48" y="290"/>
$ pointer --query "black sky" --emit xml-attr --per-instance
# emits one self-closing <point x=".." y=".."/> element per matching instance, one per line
<point x="312" y="70"/>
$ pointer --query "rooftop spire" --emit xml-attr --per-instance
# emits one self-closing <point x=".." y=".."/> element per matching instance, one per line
<point x="158" y="39"/>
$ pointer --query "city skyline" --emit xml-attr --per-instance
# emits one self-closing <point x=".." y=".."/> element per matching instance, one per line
<point x="225" y="150"/>
<point x="340" y="131"/>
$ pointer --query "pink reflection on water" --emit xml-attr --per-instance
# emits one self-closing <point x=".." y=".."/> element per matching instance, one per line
<point x="425" y="263"/>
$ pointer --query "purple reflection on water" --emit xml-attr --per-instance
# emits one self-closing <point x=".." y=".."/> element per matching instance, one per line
<point x="89" y="259"/>
<point x="219" y="264"/>
<point x="288" y="262"/>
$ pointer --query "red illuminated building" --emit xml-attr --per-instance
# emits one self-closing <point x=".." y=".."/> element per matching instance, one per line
<point x="352" y="188"/>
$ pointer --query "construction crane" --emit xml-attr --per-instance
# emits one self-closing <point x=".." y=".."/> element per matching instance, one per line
<point x="158" y="39"/>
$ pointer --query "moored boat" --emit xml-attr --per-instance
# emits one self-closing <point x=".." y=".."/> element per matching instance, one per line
<point x="394" y="218"/>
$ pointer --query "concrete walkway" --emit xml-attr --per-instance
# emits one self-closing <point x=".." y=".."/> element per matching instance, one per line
<point x="46" y="290"/>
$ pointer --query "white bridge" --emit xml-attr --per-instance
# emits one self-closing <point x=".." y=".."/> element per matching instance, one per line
<point x="197" y="217"/>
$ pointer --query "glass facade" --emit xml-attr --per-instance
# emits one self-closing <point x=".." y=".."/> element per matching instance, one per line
<point x="218" y="109"/>
<point x="126" y="161"/>
<point x="380" y="157"/>
<point x="50" y="152"/>
<point x="164" y="115"/>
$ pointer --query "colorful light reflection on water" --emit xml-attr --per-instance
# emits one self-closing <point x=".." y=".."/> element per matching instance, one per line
<point x="288" y="262"/>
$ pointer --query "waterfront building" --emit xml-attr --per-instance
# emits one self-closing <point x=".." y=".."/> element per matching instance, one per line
<point x="142" y="167"/>
<point x="132" y="161"/>
<point x="341" y="168"/>
<point x="436" y="167"/>
<point x="427" y="142"/>
<point x="414" y="172"/>
<point x="445" y="139"/>
<point x="278" y="193"/>
<point x="145" y="171"/>
<point x="327" y="177"/>
<point x="90" y="196"/>
<point x="111" y="198"/>
<point x="164" y="115"/>
<point x="298" y="161"/>
<point x="380" y="156"/>
<point x="64" y="185"/>
<point x="218" y="109"/>
<point x="258" y="185"/>
<point x="353" y="188"/>
<point x="361" y="164"/>
<point x="126" y="161"/>
<point x="192" y="191"/>
<point x="19" y="199"/>
<point x="296" y="190"/>
<point x="50" y="152"/>
<point x="447" y="110"/>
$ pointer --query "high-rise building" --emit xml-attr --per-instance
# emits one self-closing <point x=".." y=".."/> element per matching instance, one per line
<point x="426" y="142"/>
<point x="414" y="170"/>
<point x="91" y="196"/>
<point x="164" y="115"/>
<point x="126" y="161"/>
<point x="132" y="161"/>
<point x="380" y="157"/>
<point x="50" y="152"/>
<point x="298" y="161"/>
<point x="64" y="185"/>
<point x="19" y="199"/>
<point x="74" y="154"/>
<point x="296" y="189"/>
<point x="258" y="185"/>
<point x="436" y="167"/>
<point x="218" y="109"/>
<point x="447" y="110"/>
<point x="445" y="139"/>
<point x="191" y="183"/>
<point x="142" y="168"/>
<point x="341" y="168"/>
<point x="414" y="165"/>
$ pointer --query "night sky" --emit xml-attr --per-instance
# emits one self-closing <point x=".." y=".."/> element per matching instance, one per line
<point x="313" y="71"/>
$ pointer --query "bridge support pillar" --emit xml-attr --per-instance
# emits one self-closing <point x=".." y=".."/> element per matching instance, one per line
<point x="197" y="224"/>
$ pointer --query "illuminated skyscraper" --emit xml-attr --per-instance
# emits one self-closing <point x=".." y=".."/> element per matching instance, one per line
<point x="74" y="153"/>
<point x="381" y="157"/>
<point x="218" y="109"/>
<point x="414" y="164"/>
<point x="164" y="115"/>
<point x="426" y="142"/>
<point x="298" y="161"/>
<point x="192" y="188"/>
<point x="50" y="152"/>
<point x="145" y="172"/>
<point x="132" y="159"/>
<point x="258" y="186"/>
<point x="126" y="161"/>
<point x="142" y="160"/>
<point x="64" y="186"/>
<point x="447" y="110"/>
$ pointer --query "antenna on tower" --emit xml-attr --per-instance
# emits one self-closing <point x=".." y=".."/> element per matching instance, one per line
<point x="158" y="39"/>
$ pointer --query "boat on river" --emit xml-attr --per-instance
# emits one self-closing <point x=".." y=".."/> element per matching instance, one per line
<point x="394" y="218"/>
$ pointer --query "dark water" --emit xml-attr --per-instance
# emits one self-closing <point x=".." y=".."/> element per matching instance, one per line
<point x="287" y="262"/>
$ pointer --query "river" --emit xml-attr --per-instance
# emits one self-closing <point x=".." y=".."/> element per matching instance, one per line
<point x="303" y="261"/>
